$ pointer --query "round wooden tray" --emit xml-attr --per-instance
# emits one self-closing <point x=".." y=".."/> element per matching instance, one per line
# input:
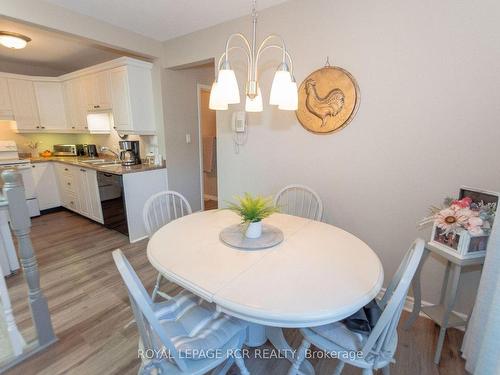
<point x="234" y="236"/>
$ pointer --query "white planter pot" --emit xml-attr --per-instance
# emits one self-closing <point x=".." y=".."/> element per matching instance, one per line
<point x="254" y="230"/>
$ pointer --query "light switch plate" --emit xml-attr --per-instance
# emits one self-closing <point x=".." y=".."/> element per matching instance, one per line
<point x="188" y="138"/>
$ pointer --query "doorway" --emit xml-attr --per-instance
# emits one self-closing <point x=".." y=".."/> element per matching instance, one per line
<point x="208" y="150"/>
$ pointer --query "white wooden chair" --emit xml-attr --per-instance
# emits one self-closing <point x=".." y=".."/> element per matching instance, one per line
<point x="299" y="200"/>
<point x="184" y="335"/>
<point x="376" y="349"/>
<point x="159" y="210"/>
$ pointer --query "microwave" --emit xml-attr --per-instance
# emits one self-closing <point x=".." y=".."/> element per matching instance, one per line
<point x="65" y="150"/>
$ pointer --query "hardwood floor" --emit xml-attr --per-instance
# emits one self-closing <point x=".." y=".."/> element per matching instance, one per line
<point x="90" y="308"/>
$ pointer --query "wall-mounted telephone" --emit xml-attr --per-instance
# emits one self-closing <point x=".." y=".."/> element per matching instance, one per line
<point x="239" y="127"/>
<point x="239" y="122"/>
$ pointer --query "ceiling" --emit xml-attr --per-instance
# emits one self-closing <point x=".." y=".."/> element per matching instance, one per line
<point x="163" y="19"/>
<point x="50" y="53"/>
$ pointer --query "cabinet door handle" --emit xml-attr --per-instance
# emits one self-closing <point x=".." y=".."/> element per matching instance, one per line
<point x="65" y="169"/>
<point x="32" y="166"/>
<point x="83" y="170"/>
<point x="97" y="106"/>
<point x="43" y="127"/>
<point x="38" y="127"/>
<point x="72" y="127"/>
<point x="69" y="183"/>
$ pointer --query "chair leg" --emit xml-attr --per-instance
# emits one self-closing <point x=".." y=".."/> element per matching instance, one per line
<point x="241" y="365"/>
<point x="157" y="287"/>
<point x="301" y="355"/>
<point x="367" y="371"/>
<point x="339" y="368"/>
<point x="386" y="370"/>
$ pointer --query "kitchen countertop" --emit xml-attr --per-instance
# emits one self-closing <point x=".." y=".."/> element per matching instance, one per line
<point x="114" y="169"/>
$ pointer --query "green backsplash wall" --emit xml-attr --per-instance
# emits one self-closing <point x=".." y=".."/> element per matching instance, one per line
<point x="147" y="143"/>
<point x="47" y="140"/>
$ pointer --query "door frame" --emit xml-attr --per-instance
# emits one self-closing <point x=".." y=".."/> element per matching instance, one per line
<point x="199" y="88"/>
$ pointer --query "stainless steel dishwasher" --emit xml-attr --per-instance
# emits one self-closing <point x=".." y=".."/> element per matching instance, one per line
<point x="112" y="201"/>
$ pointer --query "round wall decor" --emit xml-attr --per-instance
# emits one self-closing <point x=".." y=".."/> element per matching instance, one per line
<point x="328" y="100"/>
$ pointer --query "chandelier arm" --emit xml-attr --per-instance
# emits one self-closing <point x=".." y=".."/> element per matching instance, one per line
<point x="230" y="49"/>
<point x="263" y="46"/>
<point x="230" y="38"/>
<point x="278" y="47"/>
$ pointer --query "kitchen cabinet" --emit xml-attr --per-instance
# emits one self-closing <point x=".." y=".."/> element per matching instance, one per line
<point x="50" y="103"/>
<point x="88" y="194"/>
<point x="79" y="191"/>
<point x="5" y="105"/>
<point x="132" y="99"/>
<point x="76" y="104"/>
<point x="24" y="106"/>
<point x="97" y="91"/>
<point x="46" y="187"/>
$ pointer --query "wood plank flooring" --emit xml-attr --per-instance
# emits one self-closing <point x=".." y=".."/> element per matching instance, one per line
<point x="90" y="308"/>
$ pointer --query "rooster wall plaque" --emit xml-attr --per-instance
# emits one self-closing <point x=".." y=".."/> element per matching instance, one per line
<point x="328" y="100"/>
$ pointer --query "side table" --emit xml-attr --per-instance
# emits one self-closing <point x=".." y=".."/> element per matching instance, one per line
<point x="441" y="313"/>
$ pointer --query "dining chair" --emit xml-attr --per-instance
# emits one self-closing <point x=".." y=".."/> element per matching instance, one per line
<point x="184" y="335"/>
<point x="368" y="351"/>
<point x="159" y="210"/>
<point x="299" y="200"/>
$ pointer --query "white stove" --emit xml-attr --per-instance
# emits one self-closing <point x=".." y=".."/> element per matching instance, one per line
<point x="9" y="158"/>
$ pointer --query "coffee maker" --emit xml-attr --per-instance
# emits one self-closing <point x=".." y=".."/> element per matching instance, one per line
<point x="129" y="152"/>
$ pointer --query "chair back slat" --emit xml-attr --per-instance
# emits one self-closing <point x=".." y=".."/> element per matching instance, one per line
<point x="162" y="208"/>
<point x="299" y="200"/>
<point x="150" y="328"/>
<point x="382" y="336"/>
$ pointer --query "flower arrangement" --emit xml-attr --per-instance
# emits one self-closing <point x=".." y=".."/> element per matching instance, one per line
<point x="33" y="146"/>
<point x="464" y="214"/>
<point x="252" y="210"/>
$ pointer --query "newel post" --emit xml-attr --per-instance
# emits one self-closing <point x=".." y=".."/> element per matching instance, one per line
<point x="21" y="226"/>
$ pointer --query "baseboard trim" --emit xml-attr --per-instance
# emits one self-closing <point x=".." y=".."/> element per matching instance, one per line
<point x="409" y="302"/>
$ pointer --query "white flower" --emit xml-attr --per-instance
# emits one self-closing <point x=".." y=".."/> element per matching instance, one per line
<point x="475" y="231"/>
<point x="476" y="221"/>
<point x="451" y="219"/>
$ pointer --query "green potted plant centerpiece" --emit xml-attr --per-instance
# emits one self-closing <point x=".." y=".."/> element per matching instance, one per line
<point x="252" y="210"/>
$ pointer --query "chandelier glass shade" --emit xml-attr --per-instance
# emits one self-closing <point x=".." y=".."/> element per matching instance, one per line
<point x="225" y="88"/>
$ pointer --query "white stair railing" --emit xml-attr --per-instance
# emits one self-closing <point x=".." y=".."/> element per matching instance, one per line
<point x="17" y="342"/>
<point x="20" y="223"/>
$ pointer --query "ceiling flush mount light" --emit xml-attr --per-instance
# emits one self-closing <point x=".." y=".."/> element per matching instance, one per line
<point x="13" y="40"/>
<point x="225" y="89"/>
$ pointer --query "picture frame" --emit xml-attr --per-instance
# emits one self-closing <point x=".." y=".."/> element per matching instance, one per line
<point x="461" y="243"/>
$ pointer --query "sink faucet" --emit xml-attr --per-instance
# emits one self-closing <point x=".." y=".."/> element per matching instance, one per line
<point x="104" y="149"/>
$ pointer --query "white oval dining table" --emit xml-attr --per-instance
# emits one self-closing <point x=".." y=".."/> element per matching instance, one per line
<point x="319" y="274"/>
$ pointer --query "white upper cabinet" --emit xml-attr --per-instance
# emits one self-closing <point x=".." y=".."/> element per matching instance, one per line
<point x="97" y="91"/>
<point x="132" y="99"/>
<point x="76" y="104"/>
<point x="51" y="108"/>
<point x="24" y="106"/>
<point x="5" y="106"/>
<point x="117" y="93"/>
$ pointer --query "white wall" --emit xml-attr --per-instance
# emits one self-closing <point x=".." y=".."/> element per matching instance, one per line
<point x="427" y="123"/>
<point x="181" y="118"/>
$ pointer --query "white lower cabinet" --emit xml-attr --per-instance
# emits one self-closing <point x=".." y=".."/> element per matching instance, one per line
<point x="79" y="191"/>
<point x="46" y="187"/>
<point x="88" y="194"/>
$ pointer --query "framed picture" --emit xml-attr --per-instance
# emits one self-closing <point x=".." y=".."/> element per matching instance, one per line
<point x="461" y="243"/>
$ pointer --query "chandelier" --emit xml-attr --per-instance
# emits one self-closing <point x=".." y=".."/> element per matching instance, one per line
<point x="225" y="88"/>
